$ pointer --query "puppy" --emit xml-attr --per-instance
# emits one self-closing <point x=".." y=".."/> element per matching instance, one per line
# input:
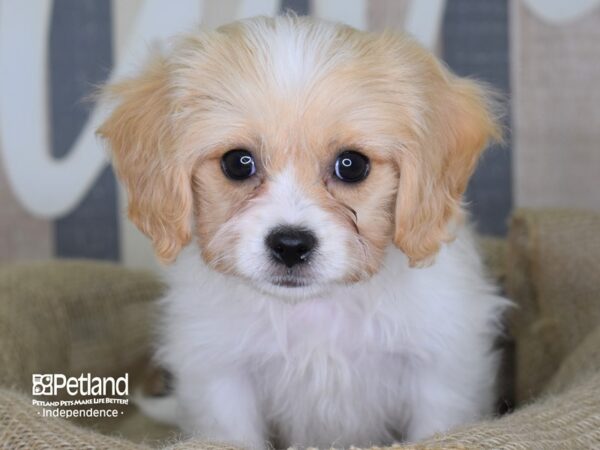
<point x="303" y="180"/>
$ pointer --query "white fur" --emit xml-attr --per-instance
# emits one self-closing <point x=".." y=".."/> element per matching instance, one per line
<point x="405" y="354"/>
<point x="286" y="204"/>
<point x="293" y="57"/>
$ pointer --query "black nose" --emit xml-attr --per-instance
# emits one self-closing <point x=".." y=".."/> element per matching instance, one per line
<point x="291" y="245"/>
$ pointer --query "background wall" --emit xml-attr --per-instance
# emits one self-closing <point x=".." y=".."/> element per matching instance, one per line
<point x="59" y="198"/>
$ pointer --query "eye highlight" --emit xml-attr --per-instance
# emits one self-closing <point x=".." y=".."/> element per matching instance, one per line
<point x="238" y="164"/>
<point x="351" y="166"/>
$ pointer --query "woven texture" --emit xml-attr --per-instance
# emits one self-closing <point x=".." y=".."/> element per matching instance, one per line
<point x="72" y="317"/>
<point x="562" y="419"/>
<point x="22" y="428"/>
<point x="553" y="272"/>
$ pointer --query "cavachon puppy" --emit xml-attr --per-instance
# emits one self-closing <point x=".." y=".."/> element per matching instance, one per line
<point x="303" y="181"/>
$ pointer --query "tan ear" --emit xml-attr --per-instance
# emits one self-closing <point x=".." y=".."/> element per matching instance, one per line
<point x="141" y="138"/>
<point x="435" y="169"/>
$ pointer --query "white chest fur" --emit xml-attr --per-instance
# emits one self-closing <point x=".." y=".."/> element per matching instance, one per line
<point x="408" y="352"/>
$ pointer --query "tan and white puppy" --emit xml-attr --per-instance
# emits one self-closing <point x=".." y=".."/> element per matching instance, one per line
<point x="304" y="181"/>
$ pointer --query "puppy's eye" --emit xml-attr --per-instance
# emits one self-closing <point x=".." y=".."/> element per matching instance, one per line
<point x="238" y="164"/>
<point x="351" y="166"/>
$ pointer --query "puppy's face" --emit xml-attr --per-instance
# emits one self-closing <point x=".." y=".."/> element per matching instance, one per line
<point x="293" y="152"/>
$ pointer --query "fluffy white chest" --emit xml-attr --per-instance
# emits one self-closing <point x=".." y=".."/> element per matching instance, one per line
<point x="351" y="366"/>
<point x="335" y="379"/>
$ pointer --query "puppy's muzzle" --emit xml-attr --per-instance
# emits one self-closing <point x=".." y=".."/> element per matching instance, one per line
<point x="291" y="245"/>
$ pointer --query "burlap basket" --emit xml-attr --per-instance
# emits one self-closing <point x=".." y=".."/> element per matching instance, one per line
<point x="74" y="317"/>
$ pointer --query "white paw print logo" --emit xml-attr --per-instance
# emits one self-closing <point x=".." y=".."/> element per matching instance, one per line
<point x="42" y="384"/>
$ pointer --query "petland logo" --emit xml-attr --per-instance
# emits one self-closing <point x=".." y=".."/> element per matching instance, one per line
<point x="84" y="385"/>
<point x="105" y="395"/>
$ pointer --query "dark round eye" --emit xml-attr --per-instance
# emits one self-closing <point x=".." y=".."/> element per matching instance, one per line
<point x="351" y="166"/>
<point x="238" y="164"/>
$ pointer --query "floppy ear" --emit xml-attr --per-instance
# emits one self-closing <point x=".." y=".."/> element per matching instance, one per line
<point x="140" y="134"/>
<point x="435" y="169"/>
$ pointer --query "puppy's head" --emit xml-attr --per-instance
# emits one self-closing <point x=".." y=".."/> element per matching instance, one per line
<point x="293" y="152"/>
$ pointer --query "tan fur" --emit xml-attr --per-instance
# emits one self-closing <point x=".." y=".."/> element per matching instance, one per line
<point x="422" y="128"/>
<point x="141" y="137"/>
<point x="436" y="168"/>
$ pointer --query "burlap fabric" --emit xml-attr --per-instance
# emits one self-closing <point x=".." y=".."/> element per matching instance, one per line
<point x="553" y="272"/>
<point x="71" y="317"/>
